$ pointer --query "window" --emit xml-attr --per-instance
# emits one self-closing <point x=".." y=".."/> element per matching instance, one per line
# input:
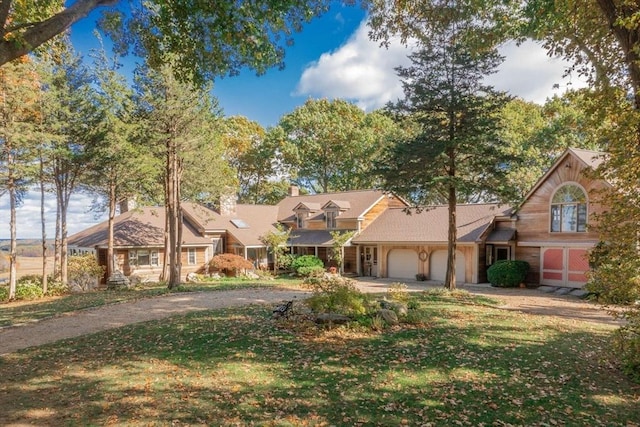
<point x="300" y="219"/>
<point x="143" y="258"/>
<point x="569" y="210"/>
<point x="191" y="256"/>
<point x="331" y="219"/>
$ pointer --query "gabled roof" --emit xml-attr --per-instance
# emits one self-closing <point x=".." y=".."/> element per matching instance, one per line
<point x="247" y="224"/>
<point x="340" y="204"/>
<point x="398" y="225"/>
<point x="359" y="202"/>
<point x="588" y="158"/>
<point x="143" y="227"/>
<point x="309" y="206"/>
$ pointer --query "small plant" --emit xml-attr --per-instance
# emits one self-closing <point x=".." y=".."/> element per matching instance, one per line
<point x="307" y="265"/>
<point x="398" y="292"/>
<point x="4" y="293"/>
<point x="507" y="273"/>
<point x="55" y="288"/>
<point x="28" y="290"/>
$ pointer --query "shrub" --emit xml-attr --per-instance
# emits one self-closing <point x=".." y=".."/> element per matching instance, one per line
<point x="4" y="293"/>
<point x="84" y="272"/>
<point x="285" y="261"/>
<point x="306" y="265"/>
<point x="55" y="288"/>
<point x="627" y="344"/>
<point x="28" y="290"/>
<point x="507" y="273"/>
<point x="398" y="292"/>
<point x="230" y="263"/>
<point x="336" y="294"/>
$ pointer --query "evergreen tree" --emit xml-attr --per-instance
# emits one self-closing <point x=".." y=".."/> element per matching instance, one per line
<point x="455" y="155"/>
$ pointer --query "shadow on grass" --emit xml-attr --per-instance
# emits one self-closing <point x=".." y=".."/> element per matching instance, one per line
<point x="466" y="365"/>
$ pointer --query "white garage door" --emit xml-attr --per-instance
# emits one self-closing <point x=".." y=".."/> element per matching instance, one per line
<point x="438" y="266"/>
<point x="402" y="264"/>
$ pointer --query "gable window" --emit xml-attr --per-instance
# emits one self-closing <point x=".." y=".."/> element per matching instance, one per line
<point x="331" y="219"/>
<point x="569" y="210"/>
<point x="191" y="256"/>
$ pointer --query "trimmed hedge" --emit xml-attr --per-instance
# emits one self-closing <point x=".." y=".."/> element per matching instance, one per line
<point x="507" y="273"/>
<point x="306" y="265"/>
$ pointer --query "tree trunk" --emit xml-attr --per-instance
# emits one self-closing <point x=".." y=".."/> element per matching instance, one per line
<point x="57" y="245"/>
<point x="12" y="224"/>
<point x="450" y="278"/>
<point x="172" y="215"/>
<point x="45" y="283"/>
<point x="111" y="265"/>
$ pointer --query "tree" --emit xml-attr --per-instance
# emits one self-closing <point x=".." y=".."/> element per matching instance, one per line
<point x="206" y="39"/>
<point x="276" y="243"/>
<point x="19" y="90"/>
<point x="121" y="169"/>
<point x="177" y="119"/>
<point x="69" y="124"/>
<point x="339" y="239"/>
<point x="456" y="153"/>
<point x="327" y="142"/>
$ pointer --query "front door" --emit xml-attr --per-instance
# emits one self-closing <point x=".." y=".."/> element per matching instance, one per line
<point x="370" y="261"/>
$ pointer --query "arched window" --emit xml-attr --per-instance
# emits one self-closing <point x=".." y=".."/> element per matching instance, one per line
<point x="569" y="209"/>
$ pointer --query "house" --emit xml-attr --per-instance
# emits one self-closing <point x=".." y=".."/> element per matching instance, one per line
<point x="405" y="243"/>
<point x="313" y="217"/>
<point x="555" y="220"/>
<point x="550" y="230"/>
<point x="139" y="237"/>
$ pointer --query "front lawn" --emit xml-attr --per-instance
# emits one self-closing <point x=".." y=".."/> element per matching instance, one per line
<point x="28" y="311"/>
<point x="459" y="363"/>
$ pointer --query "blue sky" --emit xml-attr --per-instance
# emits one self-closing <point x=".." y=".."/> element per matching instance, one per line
<point x="331" y="58"/>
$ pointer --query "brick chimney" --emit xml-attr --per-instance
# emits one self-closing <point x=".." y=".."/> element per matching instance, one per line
<point x="294" y="191"/>
<point x="228" y="204"/>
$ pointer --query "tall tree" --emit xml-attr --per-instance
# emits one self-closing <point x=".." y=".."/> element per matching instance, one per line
<point x="178" y="120"/>
<point x="327" y="142"/>
<point x="69" y="123"/>
<point x="456" y="152"/>
<point x="19" y="90"/>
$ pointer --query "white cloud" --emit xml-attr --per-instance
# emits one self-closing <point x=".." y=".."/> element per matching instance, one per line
<point x="28" y="225"/>
<point x="363" y="72"/>
<point x="359" y="70"/>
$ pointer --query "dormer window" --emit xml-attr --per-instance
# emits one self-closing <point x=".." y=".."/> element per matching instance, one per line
<point x="300" y="216"/>
<point x="331" y="219"/>
<point x="569" y="210"/>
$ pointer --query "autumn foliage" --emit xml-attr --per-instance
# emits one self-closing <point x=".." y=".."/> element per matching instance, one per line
<point x="229" y="263"/>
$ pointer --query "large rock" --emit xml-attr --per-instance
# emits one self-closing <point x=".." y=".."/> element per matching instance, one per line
<point x="399" y="308"/>
<point x="332" y="318"/>
<point x="389" y="316"/>
<point x="117" y="280"/>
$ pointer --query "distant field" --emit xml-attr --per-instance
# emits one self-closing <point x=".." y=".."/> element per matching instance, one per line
<point x="29" y="265"/>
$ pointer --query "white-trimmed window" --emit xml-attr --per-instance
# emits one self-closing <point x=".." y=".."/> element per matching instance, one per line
<point x="300" y="216"/>
<point x="569" y="210"/>
<point x="143" y="257"/>
<point x="191" y="256"/>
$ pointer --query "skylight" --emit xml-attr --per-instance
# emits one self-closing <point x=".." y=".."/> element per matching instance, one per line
<point x="239" y="223"/>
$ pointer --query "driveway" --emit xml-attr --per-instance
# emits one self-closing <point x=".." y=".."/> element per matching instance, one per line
<point x="70" y="325"/>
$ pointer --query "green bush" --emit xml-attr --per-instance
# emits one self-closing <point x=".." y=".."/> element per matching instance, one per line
<point x="336" y="294"/>
<point x="4" y="293"/>
<point x="285" y="261"/>
<point x="306" y="264"/>
<point x="507" y="273"/>
<point x="55" y="288"/>
<point x="28" y="290"/>
<point x="84" y="272"/>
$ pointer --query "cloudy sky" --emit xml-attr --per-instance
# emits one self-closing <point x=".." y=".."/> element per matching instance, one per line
<point x="332" y="58"/>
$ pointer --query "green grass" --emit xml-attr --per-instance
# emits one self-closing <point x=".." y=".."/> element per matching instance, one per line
<point x="459" y="363"/>
<point x="29" y="311"/>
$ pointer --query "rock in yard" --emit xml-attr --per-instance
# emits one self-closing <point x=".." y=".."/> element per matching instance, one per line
<point x="335" y="318"/>
<point x="389" y="316"/>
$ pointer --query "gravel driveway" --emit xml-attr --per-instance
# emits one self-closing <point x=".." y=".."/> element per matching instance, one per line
<point x="99" y="319"/>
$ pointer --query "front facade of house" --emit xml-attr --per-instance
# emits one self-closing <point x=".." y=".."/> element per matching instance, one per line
<point x="551" y="230"/>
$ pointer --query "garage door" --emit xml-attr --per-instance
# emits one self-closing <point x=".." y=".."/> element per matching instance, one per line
<point x="402" y="264"/>
<point x="438" y="266"/>
<point x="564" y="266"/>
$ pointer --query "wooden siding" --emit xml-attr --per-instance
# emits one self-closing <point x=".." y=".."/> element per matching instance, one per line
<point x="533" y="223"/>
<point x="383" y="204"/>
<point x="532" y="256"/>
